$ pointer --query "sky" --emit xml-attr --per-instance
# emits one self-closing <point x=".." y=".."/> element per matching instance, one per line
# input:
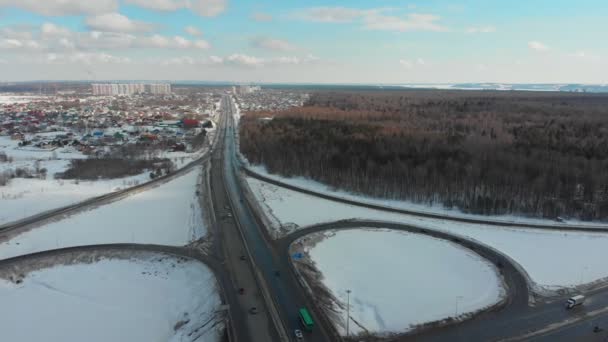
<point x="285" y="41"/>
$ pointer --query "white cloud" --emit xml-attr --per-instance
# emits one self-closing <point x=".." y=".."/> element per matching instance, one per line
<point x="244" y="60"/>
<point x="208" y="8"/>
<point x="481" y="29"/>
<point x="50" y="30"/>
<point x="17" y="44"/>
<point x="409" y="64"/>
<point x="95" y="40"/>
<point x="116" y="22"/>
<point x="63" y="7"/>
<point x="193" y="31"/>
<point x="86" y="58"/>
<point x="332" y="14"/>
<point x="12" y="33"/>
<point x="216" y="59"/>
<point x="157" y="41"/>
<point x="154" y="41"/>
<point x="585" y="55"/>
<point x="406" y="63"/>
<point x="271" y="44"/>
<point x="185" y="60"/>
<point x="160" y="5"/>
<point x="412" y="22"/>
<point x="201" y="44"/>
<point x="205" y="8"/>
<point x="374" y="19"/>
<point x="261" y="17"/>
<point x="67" y="44"/>
<point x="537" y="46"/>
<point x="240" y="60"/>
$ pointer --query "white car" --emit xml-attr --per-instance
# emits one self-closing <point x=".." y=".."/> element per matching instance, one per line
<point x="298" y="334"/>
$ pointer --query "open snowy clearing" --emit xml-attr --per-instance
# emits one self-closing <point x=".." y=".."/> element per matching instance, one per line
<point x="23" y="197"/>
<point x="152" y="298"/>
<point x="169" y="214"/>
<point x="553" y="260"/>
<point x="388" y="270"/>
<point x="312" y="185"/>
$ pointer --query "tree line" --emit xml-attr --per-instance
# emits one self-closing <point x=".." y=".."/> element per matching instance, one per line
<point x="491" y="153"/>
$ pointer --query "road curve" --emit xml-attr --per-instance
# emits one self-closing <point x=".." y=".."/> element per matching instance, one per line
<point x="256" y="175"/>
<point x="227" y="294"/>
<point x="514" y="277"/>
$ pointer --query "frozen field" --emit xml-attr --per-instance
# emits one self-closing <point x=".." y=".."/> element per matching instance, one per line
<point x="389" y="270"/>
<point x="168" y="214"/>
<point x="24" y="197"/>
<point x="552" y="259"/>
<point x="154" y="298"/>
<point x="312" y="185"/>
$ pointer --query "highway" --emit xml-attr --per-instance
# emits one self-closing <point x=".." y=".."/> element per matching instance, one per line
<point x="512" y="321"/>
<point x="243" y="255"/>
<point x="286" y="294"/>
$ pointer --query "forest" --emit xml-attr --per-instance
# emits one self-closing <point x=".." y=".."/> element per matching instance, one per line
<point x="491" y="153"/>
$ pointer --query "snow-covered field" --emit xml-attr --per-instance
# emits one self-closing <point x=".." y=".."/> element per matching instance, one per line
<point x="24" y="197"/>
<point x="168" y="214"/>
<point x="312" y="185"/>
<point x="388" y="270"/>
<point x="152" y="298"/>
<point x="552" y="259"/>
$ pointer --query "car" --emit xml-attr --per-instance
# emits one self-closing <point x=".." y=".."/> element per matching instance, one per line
<point x="253" y="310"/>
<point x="242" y="257"/>
<point x="298" y="334"/>
<point x="241" y="291"/>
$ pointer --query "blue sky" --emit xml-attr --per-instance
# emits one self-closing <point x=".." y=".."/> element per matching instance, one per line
<point x="382" y="41"/>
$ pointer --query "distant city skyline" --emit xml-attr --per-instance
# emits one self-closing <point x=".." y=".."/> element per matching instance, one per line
<point x="348" y="42"/>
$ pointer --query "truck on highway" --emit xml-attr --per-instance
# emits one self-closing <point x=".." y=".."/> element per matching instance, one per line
<point x="574" y="301"/>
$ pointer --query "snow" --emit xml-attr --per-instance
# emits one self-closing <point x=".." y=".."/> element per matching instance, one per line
<point x="168" y="215"/>
<point x="552" y="259"/>
<point x="309" y="184"/>
<point x="237" y="112"/>
<point x="378" y="267"/>
<point x="24" y="197"/>
<point x="112" y="300"/>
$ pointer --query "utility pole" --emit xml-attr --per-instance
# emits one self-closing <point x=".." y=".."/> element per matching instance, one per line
<point x="347" y="310"/>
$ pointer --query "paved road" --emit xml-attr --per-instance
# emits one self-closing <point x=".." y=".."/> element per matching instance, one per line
<point x="229" y="247"/>
<point x="516" y="320"/>
<point x="485" y="221"/>
<point x="287" y="295"/>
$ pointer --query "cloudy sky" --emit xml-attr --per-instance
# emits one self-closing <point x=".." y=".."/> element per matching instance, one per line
<point x="339" y="41"/>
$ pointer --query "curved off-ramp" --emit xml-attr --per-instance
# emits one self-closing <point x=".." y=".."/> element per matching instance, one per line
<point x="515" y="278"/>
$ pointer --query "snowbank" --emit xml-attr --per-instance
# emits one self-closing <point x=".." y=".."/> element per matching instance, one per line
<point x="387" y="271"/>
<point x="113" y="300"/>
<point x="553" y="259"/>
<point x="169" y="214"/>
